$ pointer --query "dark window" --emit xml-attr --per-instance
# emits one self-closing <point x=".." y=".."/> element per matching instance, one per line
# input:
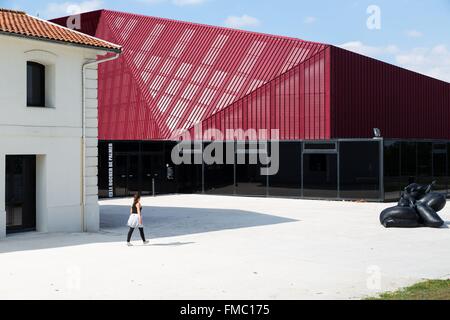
<point x="287" y="181"/>
<point x="448" y="168"/>
<point x="35" y="84"/>
<point x="219" y="178"/>
<point x="440" y="160"/>
<point x="189" y="176"/>
<point x="249" y="180"/>
<point x="318" y="163"/>
<point x="440" y="167"/>
<point x="391" y="159"/>
<point x="393" y="183"/>
<point x="320" y="175"/>
<point x="152" y="146"/>
<point x="320" y="146"/>
<point x="424" y="155"/>
<point x="359" y="170"/>
<point x="126" y="146"/>
<point x="408" y="159"/>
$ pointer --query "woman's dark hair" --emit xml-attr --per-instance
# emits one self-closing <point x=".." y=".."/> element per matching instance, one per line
<point x="136" y="199"/>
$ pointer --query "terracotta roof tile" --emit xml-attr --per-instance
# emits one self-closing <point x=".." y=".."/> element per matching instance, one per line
<point x="19" y="23"/>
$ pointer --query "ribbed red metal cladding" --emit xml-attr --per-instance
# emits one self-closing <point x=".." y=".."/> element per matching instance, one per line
<point x="297" y="103"/>
<point x="120" y="99"/>
<point x="368" y="94"/>
<point x="123" y="109"/>
<point x="176" y="74"/>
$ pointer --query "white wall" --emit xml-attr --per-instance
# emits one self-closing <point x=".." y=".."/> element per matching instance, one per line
<point x="92" y="214"/>
<point x="54" y="133"/>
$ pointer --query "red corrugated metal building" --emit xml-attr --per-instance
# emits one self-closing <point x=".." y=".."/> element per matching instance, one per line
<point x="322" y="101"/>
<point x="174" y="74"/>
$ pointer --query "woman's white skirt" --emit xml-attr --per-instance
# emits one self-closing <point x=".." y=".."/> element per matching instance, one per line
<point x="133" y="221"/>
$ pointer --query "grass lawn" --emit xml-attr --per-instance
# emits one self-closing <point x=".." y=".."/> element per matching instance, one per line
<point x="427" y="290"/>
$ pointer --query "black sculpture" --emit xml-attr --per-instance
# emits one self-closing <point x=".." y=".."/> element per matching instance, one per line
<point x="417" y="208"/>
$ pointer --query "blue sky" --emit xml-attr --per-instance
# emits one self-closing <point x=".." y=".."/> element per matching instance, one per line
<point x="414" y="34"/>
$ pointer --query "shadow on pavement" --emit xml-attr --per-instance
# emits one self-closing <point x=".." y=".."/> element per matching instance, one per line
<point x="174" y="244"/>
<point x="159" y="222"/>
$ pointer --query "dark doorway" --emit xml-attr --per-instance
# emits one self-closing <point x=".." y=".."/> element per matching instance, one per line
<point x="120" y="176"/>
<point x="126" y="177"/>
<point x="135" y="173"/>
<point x="20" y="193"/>
<point x="320" y="175"/>
<point x="153" y="173"/>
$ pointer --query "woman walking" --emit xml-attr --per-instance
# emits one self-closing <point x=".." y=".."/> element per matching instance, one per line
<point x="135" y="220"/>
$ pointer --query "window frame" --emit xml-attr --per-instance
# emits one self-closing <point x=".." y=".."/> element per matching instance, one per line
<point x="42" y="77"/>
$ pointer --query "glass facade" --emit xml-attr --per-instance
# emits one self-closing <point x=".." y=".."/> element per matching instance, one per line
<point x="189" y="175"/>
<point x="131" y="167"/>
<point x="440" y="169"/>
<point x="249" y="180"/>
<point x="359" y="164"/>
<point x="287" y="182"/>
<point x="393" y="181"/>
<point x="320" y="175"/>
<point x="338" y="169"/>
<point x="422" y="162"/>
<point x="219" y="177"/>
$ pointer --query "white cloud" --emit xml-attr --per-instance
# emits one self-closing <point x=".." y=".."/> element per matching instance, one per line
<point x="310" y="20"/>
<point x="68" y="8"/>
<point x="434" y="61"/>
<point x="242" y="21"/>
<point x="372" y="51"/>
<point x="182" y="3"/>
<point x="414" y="34"/>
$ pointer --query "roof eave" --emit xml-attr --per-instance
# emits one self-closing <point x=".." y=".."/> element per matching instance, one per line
<point x="13" y="34"/>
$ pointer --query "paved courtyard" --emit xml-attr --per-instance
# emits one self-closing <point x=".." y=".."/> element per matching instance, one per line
<point x="212" y="247"/>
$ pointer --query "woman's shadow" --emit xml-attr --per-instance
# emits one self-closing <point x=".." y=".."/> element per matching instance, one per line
<point x="171" y="244"/>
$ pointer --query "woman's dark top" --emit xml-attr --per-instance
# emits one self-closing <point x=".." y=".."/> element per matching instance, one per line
<point x="134" y="209"/>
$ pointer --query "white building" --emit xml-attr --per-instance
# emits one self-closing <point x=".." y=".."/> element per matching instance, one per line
<point x="48" y="136"/>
